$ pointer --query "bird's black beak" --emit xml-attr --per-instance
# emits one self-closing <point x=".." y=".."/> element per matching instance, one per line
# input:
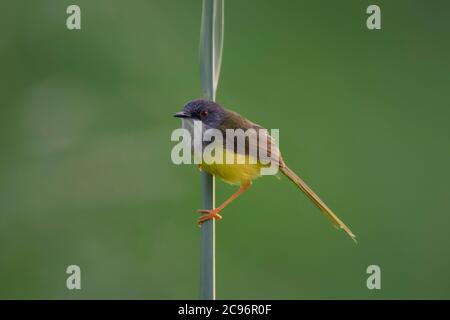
<point x="181" y="114"/>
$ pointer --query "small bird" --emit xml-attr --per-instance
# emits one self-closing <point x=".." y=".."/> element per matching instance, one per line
<point x="214" y="116"/>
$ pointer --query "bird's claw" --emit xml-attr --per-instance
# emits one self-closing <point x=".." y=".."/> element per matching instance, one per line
<point x="208" y="215"/>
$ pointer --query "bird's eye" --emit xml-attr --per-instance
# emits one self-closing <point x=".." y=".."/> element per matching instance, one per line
<point x="204" y="113"/>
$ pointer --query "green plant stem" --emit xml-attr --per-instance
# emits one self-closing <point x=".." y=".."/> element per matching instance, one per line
<point x="211" y="42"/>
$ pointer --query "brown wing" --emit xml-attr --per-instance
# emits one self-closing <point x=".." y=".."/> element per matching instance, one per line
<point x="256" y="137"/>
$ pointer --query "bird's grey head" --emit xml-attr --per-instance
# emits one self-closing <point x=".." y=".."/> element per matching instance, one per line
<point x="208" y="112"/>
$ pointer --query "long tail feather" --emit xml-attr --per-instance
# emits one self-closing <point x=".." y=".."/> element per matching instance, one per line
<point x="315" y="198"/>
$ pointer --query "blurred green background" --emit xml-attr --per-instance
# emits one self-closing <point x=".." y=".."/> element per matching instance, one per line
<point x="85" y="170"/>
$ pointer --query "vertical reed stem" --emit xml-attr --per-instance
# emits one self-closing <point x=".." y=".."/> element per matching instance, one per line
<point x="211" y="42"/>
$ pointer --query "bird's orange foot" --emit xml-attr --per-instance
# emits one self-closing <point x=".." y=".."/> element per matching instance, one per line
<point x="208" y="215"/>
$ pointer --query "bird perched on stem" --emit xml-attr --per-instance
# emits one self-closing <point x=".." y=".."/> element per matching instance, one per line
<point x="213" y="116"/>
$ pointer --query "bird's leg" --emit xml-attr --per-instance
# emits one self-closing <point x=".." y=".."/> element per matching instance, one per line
<point x="214" y="213"/>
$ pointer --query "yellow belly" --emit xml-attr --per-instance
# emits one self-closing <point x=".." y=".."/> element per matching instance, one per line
<point x="234" y="173"/>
